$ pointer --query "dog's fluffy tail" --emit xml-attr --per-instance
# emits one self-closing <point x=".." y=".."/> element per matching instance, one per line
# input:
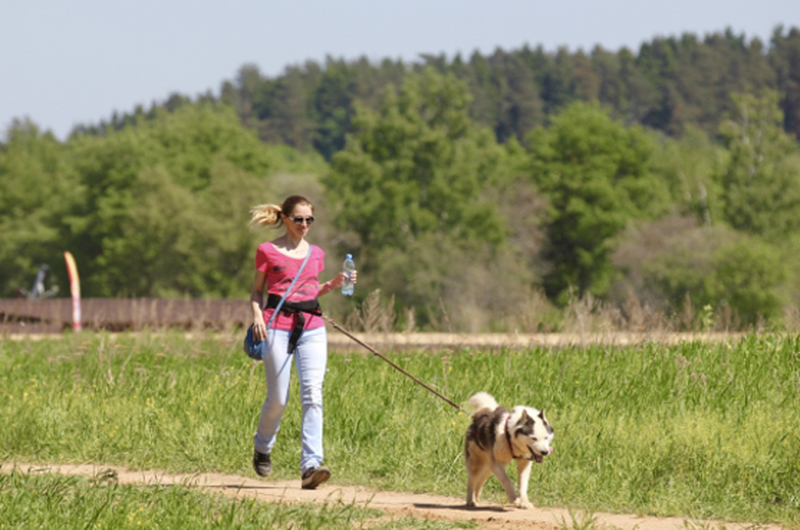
<point x="480" y="401"/>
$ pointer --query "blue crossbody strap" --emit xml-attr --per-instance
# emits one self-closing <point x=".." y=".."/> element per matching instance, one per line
<point x="255" y="350"/>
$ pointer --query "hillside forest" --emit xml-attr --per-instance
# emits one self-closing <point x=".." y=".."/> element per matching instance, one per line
<point x="513" y="191"/>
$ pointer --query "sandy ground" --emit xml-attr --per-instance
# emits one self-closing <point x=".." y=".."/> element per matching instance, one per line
<point x="396" y="505"/>
<point x="338" y="341"/>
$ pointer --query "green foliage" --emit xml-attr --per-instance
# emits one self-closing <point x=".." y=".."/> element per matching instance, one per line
<point x="713" y="266"/>
<point x="749" y="275"/>
<point x="283" y="159"/>
<point x="762" y="180"/>
<point x="670" y="84"/>
<point x="156" y="208"/>
<point x="417" y="166"/>
<point x="784" y="60"/>
<point x="595" y="173"/>
<point x="165" y="206"/>
<point x="752" y="186"/>
<point x="440" y="216"/>
<point x="37" y="186"/>
<point x="334" y="107"/>
<point x="691" y="167"/>
<point x="415" y="183"/>
<point x="667" y="430"/>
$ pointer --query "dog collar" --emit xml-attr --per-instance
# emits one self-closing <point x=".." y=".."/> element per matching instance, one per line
<point x="508" y="439"/>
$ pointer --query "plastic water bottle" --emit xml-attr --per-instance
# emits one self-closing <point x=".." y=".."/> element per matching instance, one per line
<point x="348" y="267"/>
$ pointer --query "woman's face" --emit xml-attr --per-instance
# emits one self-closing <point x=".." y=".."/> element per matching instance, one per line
<point x="301" y="212"/>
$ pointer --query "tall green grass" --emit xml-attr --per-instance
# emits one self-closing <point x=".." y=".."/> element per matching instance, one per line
<point x="702" y="431"/>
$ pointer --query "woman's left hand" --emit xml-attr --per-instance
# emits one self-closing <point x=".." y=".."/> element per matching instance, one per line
<point x="337" y="282"/>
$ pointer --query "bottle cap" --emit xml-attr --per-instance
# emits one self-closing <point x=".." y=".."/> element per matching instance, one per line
<point x="349" y="256"/>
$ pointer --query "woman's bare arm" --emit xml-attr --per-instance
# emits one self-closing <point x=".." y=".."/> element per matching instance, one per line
<point x="256" y="303"/>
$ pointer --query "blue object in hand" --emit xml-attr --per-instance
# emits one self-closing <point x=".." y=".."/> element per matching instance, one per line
<point x="253" y="349"/>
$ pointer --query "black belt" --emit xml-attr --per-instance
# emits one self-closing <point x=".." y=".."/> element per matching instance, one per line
<point x="297" y="308"/>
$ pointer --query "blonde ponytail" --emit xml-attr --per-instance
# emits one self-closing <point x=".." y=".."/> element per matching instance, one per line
<point x="265" y="215"/>
<point x="270" y="214"/>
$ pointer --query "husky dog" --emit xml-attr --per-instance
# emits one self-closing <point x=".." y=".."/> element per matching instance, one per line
<point x="497" y="436"/>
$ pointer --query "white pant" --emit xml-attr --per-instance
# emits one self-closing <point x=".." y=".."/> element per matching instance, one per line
<point x="311" y="358"/>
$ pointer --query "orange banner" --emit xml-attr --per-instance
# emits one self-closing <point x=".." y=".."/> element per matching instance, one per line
<point x="75" y="289"/>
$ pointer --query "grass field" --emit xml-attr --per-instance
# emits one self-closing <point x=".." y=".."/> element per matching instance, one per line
<point x="702" y="431"/>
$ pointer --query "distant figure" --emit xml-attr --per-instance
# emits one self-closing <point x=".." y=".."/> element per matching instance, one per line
<point x="38" y="290"/>
<point x="298" y="329"/>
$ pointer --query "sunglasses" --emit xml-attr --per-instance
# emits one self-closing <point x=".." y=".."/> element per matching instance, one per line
<point x="301" y="220"/>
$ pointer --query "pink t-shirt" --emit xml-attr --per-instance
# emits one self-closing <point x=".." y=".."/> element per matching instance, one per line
<point x="281" y="270"/>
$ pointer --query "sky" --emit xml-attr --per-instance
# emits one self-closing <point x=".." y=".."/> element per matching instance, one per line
<point x="77" y="62"/>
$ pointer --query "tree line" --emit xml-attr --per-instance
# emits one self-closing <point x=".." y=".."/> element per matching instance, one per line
<point x="461" y="226"/>
<point x="670" y="84"/>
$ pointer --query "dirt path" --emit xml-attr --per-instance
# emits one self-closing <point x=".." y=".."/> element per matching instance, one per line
<point x="491" y="516"/>
<point x="438" y="341"/>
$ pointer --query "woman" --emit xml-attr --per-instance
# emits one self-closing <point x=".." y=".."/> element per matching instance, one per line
<point x="298" y="329"/>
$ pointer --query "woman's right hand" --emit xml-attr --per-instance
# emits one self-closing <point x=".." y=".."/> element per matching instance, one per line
<point x="256" y="298"/>
<point x="259" y="329"/>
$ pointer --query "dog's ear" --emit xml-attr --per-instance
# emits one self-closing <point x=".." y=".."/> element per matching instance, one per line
<point x="525" y="422"/>
<point x="546" y="423"/>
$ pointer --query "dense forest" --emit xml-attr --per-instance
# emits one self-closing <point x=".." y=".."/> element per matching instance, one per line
<point x="660" y="187"/>
<point x="670" y="85"/>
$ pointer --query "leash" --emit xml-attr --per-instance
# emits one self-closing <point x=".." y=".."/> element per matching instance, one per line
<point x="375" y="352"/>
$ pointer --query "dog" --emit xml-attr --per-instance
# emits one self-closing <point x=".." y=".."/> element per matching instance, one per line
<point x="496" y="437"/>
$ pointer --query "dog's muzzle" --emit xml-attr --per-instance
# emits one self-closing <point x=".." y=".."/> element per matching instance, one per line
<point x="538" y="458"/>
